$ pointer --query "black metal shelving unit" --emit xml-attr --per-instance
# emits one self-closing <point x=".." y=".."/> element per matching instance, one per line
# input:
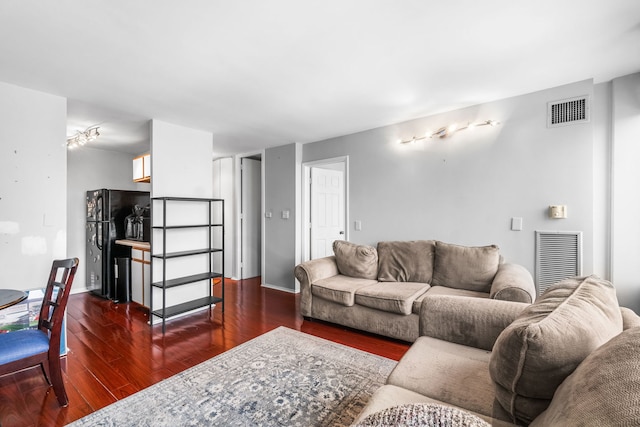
<point x="209" y="276"/>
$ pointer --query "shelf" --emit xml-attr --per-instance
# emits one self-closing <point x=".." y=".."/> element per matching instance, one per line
<point x="188" y="199"/>
<point x="164" y="255"/>
<point x="186" y="279"/>
<point x="175" y="227"/>
<point x="186" y="253"/>
<point x="187" y="306"/>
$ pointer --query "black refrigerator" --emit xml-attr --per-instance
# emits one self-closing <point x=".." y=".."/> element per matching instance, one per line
<point x="107" y="212"/>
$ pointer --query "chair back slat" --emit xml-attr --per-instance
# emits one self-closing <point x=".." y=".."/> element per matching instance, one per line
<point x="47" y="324"/>
<point x="52" y="303"/>
<point x="53" y="306"/>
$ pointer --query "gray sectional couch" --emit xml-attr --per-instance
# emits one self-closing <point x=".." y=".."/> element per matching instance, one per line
<point x="572" y="358"/>
<point x="382" y="290"/>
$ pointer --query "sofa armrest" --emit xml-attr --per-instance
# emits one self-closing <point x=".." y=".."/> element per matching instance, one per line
<point x="513" y="282"/>
<point x="312" y="271"/>
<point x="470" y="321"/>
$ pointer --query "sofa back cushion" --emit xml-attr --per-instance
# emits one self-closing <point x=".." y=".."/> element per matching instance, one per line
<point x="407" y="261"/>
<point x="551" y="337"/>
<point x="603" y="390"/>
<point x="465" y="267"/>
<point x="629" y="318"/>
<point x="354" y="260"/>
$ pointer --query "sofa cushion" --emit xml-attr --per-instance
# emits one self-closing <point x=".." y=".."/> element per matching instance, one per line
<point x="603" y="390"/>
<point x="629" y="318"/>
<point x="407" y="261"/>
<point x="465" y="267"/>
<point x="394" y="298"/>
<point x="443" y="290"/>
<point x="448" y="372"/>
<point x="534" y="354"/>
<point x="356" y="260"/>
<point x="340" y="289"/>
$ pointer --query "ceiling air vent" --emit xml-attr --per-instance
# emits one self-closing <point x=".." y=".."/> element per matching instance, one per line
<point x="568" y="111"/>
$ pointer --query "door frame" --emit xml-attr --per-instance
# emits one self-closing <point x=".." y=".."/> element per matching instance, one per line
<point x="237" y="160"/>
<point x="306" y="200"/>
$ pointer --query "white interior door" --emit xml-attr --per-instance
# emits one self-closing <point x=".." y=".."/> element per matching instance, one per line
<point x="327" y="210"/>
<point x="250" y="218"/>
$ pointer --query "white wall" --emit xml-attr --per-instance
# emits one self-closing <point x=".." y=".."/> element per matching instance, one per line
<point x="181" y="166"/>
<point x="466" y="188"/>
<point x="181" y="161"/>
<point x="601" y="117"/>
<point x="223" y="189"/>
<point x="90" y="169"/>
<point x="33" y="163"/>
<point x="625" y="260"/>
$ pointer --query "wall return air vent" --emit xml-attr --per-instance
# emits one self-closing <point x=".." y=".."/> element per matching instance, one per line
<point x="558" y="257"/>
<point x="568" y="111"/>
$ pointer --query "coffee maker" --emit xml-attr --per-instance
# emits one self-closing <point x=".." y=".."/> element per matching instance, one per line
<point x="136" y="226"/>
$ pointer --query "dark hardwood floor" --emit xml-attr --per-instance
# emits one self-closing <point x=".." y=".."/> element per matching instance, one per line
<point x="114" y="353"/>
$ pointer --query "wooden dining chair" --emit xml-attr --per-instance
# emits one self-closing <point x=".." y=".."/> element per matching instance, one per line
<point x="27" y="348"/>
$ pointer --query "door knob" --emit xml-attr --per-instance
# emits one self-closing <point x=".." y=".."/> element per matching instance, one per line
<point x="342" y="232"/>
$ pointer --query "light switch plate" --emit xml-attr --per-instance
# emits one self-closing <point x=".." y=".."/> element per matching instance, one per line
<point x="516" y="224"/>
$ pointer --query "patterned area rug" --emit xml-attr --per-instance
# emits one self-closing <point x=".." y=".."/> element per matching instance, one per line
<point x="281" y="378"/>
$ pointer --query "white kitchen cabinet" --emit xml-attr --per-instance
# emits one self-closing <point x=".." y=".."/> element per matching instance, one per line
<point x="140" y="276"/>
<point x="142" y="168"/>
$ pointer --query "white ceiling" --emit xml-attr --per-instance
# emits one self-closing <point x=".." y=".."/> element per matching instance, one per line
<point x="259" y="73"/>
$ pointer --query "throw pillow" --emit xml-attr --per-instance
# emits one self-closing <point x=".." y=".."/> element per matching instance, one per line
<point x="420" y="415"/>
<point x="465" y="267"/>
<point x="408" y="261"/>
<point x="356" y="260"/>
<point x="551" y="337"/>
<point x="603" y="390"/>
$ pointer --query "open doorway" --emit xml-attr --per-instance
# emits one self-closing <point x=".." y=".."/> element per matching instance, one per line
<point x="325" y="206"/>
<point x="250" y="187"/>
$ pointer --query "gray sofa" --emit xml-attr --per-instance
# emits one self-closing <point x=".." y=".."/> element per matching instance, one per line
<point x="381" y="290"/>
<point x="572" y="358"/>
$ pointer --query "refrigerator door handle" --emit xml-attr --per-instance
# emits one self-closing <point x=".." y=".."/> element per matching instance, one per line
<point x="99" y="235"/>
<point x="99" y="208"/>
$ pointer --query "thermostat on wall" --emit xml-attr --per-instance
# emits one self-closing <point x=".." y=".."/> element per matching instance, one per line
<point x="558" y="211"/>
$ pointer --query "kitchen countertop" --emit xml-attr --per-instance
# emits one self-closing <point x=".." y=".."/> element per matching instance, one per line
<point x="135" y="244"/>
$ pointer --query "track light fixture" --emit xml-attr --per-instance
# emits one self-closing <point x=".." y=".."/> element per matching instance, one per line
<point x="80" y="138"/>
<point x="446" y="131"/>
